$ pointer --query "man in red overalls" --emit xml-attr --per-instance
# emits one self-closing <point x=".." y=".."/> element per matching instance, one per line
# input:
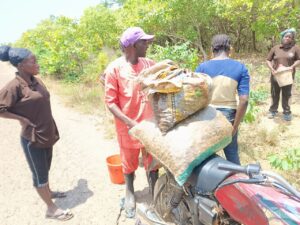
<point x="127" y="103"/>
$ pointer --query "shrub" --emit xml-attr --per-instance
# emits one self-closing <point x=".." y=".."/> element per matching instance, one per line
<point x="255" y="98"/>
<point x="290" y="160"/>
<point x="182" y="54"/>
<point x="61" y="47"/>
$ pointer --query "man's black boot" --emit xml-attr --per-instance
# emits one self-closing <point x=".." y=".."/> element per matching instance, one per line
<point x="129" y="198"/>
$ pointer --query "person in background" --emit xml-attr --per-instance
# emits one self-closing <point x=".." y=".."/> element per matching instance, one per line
<point x="129" y="105"/>
<point x="287" y="54"/>
<point x="26" y="99"/>
<point x="230" y="77"/>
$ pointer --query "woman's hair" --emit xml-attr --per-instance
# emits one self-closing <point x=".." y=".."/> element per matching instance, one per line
<point x="220" y="42"/>
<point x="13" y="55"/>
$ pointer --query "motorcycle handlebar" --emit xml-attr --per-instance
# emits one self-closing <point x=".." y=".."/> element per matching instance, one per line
<point x="255" y="169"/>
<point x="249" y="169"/>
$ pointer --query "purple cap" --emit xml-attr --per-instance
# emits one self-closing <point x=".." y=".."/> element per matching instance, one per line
<point x="132" y="35"/>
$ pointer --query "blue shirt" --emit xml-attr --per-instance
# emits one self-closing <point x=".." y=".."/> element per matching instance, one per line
<point x="229" y="77"/>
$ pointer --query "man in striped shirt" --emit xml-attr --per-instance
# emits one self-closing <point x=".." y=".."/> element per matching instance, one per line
<point x="230" y="78"/>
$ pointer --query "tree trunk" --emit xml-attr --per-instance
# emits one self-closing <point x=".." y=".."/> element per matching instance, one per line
<point x="200" y="45"/>
<point x="254" y="9"/>
<point x="254" y="40"/>
<point x="238" y="40"/>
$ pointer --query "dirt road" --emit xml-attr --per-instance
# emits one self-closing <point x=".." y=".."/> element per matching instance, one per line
<point x="78" y="168"/>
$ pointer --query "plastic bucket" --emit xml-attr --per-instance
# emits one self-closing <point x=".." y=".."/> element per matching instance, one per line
<point x="115" y="169"/>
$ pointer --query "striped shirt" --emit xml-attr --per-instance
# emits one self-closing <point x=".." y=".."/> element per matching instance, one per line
<point x="230" y="77"/>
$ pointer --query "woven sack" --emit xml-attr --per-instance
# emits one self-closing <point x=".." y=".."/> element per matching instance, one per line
<point x="188" y="144"/>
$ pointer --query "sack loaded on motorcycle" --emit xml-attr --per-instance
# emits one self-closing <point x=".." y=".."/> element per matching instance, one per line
<point x="188" y="143"/>
<point x="185" y="131"/>
<point x="175" y="93"/>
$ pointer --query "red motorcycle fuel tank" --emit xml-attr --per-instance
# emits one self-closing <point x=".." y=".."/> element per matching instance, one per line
<point x="253" y="204"/>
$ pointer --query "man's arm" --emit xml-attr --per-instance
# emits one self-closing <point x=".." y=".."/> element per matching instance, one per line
<point x="240" y="112"/>
<point x="116" y="111"/>
<point x="112" y="98"/>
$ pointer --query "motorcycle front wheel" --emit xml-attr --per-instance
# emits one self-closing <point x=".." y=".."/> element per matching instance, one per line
<point x="164" y="190"/>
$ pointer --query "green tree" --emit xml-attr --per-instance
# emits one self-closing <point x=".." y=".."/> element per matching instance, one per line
<point x="99" y="24"/>
<point x="59" y="48"/>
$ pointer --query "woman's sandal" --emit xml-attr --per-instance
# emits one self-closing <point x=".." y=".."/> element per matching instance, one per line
<point x="62" y="216"/>
<point x="58" y="194"/>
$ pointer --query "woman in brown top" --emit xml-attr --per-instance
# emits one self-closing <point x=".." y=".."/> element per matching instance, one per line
<point x="27" y="100"/>
<point x="282" y="57"/>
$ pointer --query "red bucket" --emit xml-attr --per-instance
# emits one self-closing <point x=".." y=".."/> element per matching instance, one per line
<point x="115" y="169"/>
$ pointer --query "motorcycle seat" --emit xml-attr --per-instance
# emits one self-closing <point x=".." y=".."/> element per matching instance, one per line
<point x="206" y="177"/>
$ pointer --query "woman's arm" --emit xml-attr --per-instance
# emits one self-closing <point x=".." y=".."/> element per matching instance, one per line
<point x="23" y="120"/>
<point x="296" y="63"/>
<point x="269" y="64"/>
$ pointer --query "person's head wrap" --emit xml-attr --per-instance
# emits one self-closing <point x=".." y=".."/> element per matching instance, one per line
<point x="290" y="30"/>
<point x="13" y="55"/>
<point x="17" y="55"/>
<point x="4" y="53"/>
<point x="132" y="35"/>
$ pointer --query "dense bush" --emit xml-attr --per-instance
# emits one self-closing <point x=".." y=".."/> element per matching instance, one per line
<point x="256" y="97"/>
<point x="60" y="49"/>
<point x="182" y="54"/>
<point x="289" y="160"/>
<point x="65" y="46"/>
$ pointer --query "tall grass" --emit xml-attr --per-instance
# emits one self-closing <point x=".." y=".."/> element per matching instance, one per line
<point x="86" y="98"/>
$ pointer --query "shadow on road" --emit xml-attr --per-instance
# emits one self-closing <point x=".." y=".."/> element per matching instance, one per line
<point x="143" y="196"/>
<point x="78" y="195"/>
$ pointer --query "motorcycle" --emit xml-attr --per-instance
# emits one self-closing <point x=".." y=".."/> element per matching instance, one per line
<point x="219" y="192"/>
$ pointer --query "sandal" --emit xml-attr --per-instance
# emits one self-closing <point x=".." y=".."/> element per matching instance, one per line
<point x="130" y="212"/>
<point x="62" y="216"/>
<point x="58" y="194"/>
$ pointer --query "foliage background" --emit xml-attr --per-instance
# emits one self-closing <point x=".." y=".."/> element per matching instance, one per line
<point x="66" y="47"/>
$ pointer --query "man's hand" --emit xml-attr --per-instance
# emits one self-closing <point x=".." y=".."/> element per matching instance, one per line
<point x="131" y="123"/>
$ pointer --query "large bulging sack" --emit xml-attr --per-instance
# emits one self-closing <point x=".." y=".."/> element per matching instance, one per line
<point x="175" y="93"/>
<point x="190" y="142"/>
